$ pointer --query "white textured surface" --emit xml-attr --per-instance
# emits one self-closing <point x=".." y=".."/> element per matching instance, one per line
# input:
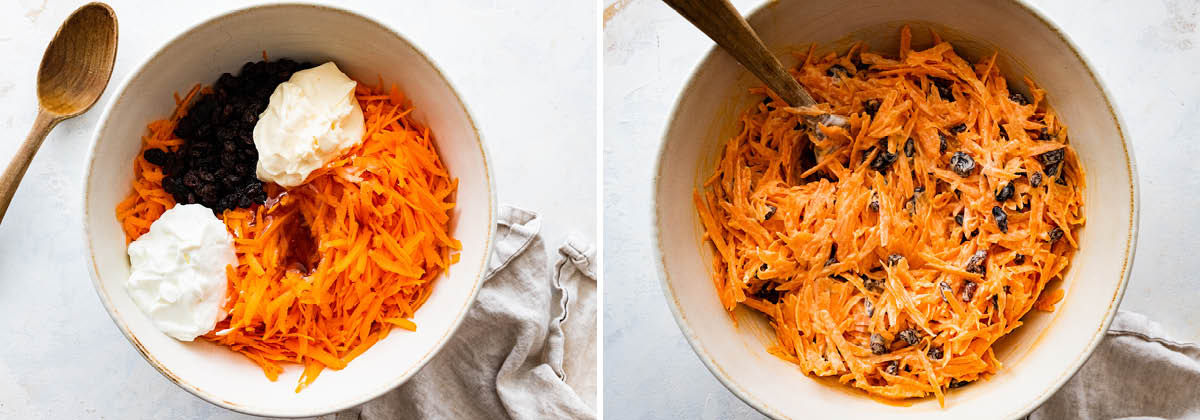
<point x="531" y="90"/>
<point x="1145" y="52"/>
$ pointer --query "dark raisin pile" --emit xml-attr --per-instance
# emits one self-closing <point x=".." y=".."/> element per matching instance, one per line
<point x="215" y="166"/>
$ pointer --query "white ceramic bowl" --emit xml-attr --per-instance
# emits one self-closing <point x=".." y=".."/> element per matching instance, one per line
<point x="1039" y="356"/>
<point x="364" y="49"/>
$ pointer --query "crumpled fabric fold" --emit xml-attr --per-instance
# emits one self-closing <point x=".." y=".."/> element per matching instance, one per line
<point x="1137" y="371"/>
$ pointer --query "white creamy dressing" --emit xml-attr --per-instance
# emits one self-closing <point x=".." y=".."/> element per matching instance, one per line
<point x="310" y="120"/>
<point x="178" y="271"/>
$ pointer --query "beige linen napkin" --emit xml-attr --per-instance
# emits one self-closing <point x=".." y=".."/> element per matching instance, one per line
<point x="1137" y="371"/>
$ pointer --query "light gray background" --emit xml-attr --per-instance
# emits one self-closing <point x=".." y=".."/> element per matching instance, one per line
<point x="528" y="74"/>
<point x="1145" y="51"/>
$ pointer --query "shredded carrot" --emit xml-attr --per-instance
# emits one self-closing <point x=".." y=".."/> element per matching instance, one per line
<point x="328" y="268"/>
<point x="149" y="200"/>
<point x="834" y="244"/>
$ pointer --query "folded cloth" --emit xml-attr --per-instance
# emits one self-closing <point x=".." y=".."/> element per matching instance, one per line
<point x="527" y="348"/>
<point x="1137" y="371"/>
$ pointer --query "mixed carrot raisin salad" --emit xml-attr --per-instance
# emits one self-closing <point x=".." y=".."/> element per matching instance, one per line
<point x="325" y="268"/>
<point x="892" y="253"/>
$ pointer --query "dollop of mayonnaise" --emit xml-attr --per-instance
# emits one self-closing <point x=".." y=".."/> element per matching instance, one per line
<point x="178" y="271"/>
<point x="310" y="120"/>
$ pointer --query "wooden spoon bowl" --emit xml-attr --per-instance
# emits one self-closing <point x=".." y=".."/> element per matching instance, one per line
<point x="74" y="71"/>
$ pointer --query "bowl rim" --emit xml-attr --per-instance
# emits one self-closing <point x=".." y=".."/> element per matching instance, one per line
<point x="362" y="397"/>
<point x="715" y="368"/>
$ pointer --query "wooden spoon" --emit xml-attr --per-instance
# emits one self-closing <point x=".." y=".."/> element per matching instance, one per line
<point x="721" y="22"/>
<point x="74" y="71"/>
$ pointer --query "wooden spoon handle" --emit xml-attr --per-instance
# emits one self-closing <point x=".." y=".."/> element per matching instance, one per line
<point x="12" y="175"/>
<point x="721" y="22"/>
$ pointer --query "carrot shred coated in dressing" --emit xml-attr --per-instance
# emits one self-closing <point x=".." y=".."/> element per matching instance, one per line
<point x="328" y="268"/>
<point x="805" y="227"/>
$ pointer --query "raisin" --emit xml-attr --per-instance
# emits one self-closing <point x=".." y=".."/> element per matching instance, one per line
<point x="1019" y="259"/>
<point x="968" y="291"/>
<point x="871" y="106"/>
<point x="1001" y="218"/>
<point x="872" y="285"/>
<point x="191" y="179"/>
<point x="958" y="218"/>
<point x="1052" y="170"/>
<point x="227" y="202"/>
<point x="878" y="346"/>
<point x="941" y="143"/>
<point x="1036" y="179"/>
<point x="768" y="293"/>
<point x="1005" y="193"/>
<point x="909" y="148"/>
<point x="958" y="128"/>
<point x="940" y="82"/>
<point x="945" y="290"/>
<point x="874" y="204"/>
<point x="954" y="383"/>
<point x="1018" y="98"/>
<point x="1052" y="157"/>
<point x="870" y="307"/>
<point x="892" y="368"/>
<point x="1055" y="234"/>
<point x="975" y="264"/>
<point x="910" y="336"/>
<point x="1043" y="134"/>
<point x="943" y="88"/>
<point x="172" y="186"/>
<point x="962" y="164"/>
<point x="911" y="204"/>
<point x="207" y="192"/>
<point x="155" y="156"/>
<point x="935" y="353"/>
<point x="837" y="71"/>
<point x="770" y="212"/>
<point x="894" y="259"/>
<point x="884" y="159"/>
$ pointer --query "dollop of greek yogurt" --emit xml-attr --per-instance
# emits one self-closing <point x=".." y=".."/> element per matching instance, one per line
<point x="178" y="275"/>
